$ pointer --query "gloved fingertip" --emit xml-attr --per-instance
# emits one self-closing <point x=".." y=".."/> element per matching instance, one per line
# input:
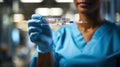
<point x="30" y="21"/>
<point x="34" y="30"/>
<point x="36" y="16"/>
<point x="34" y="36"/>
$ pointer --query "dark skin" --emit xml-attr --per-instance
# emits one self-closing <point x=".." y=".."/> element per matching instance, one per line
<point x="89" y="12"/>
<point x="45" y="60"/>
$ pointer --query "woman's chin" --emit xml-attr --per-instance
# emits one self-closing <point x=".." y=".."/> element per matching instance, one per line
<point x="84" y="12"/>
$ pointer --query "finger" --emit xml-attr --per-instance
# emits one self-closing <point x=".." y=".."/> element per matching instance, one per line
<point x="34" y="29"/>
<point x="34" y="23"/>
<point x="34" y="36"/>
<point x="39" y="17"/>
<point x="37" y="23"/>
<point x="44" y="39"/>
<point x="36" y="16"/>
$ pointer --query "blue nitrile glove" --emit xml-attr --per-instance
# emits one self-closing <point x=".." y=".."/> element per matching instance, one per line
<point x="40" y="33"/>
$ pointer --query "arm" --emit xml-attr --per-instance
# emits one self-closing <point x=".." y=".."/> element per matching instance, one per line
<point x="41" y="34"/>
<point x="45" y="60"/>
<point x="42" y="59"/>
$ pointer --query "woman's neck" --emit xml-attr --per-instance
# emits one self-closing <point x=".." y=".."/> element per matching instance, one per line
<point x="92" y="20"/>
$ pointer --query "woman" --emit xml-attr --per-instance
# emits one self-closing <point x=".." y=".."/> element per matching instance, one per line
<point x="93" y="43"/>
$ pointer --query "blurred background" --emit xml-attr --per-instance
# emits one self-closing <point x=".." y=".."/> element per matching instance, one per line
<point x="16" y="50"/>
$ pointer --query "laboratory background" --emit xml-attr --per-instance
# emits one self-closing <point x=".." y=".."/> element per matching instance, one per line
<point x="16" y="49"/>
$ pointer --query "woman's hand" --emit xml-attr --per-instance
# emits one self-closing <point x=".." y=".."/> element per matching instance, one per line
<point x="40" y="33"/>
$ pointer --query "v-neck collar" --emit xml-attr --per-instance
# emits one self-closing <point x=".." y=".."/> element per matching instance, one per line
<point x="98" y="33"/>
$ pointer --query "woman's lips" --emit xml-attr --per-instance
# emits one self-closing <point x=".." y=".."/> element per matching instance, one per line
<point x="83" y="4"/>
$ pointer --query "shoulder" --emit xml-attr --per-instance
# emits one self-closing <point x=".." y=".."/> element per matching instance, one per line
<point x="114" y="30"/>
<point x="112" y="35"/>
<point x="113" y="26"/>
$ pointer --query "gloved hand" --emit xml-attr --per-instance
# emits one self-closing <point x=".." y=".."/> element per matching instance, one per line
<point x="40" y="33"/>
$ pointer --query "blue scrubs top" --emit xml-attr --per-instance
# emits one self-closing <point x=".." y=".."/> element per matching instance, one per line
<point x="71" y="50"/>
